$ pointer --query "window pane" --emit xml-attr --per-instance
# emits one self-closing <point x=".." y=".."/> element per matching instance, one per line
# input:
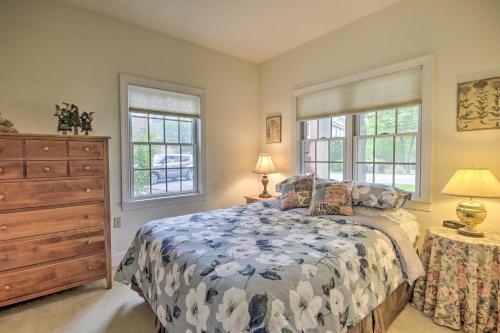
<point x="141" y="185"/>
<point x="406" y="149"/>
<point x="187" y="156"/>
<point x="386" y="122"/>
<point x="157" y="156"/>
<point x="174" y="180"/>
<point x="383" y="149"/>
<point x="171" y="130"/>
<point x="139" y="129"/>
<point x="337" y="150"/>
<point x="365" y="173"/>
<point x="383" y="174"/>
<point x="365" y="150"/>
<point x="311" y="129"/>
<point x="158" y="181"/>
<point x="405" y="177"/>
<point x="367" y="123"/>
<point x="325" y="127"/>
<point x="338" y="126"/>
<point x="173" y="157"/>
<point x="187" y="180"/>
<point x="322" y="151"/>
<point x="141" y="157"/>
<point x="337" y="171"/>
<point x="408" y="119"/>
<point x="309" y="151"/>
<point x="186" y="131"/>
<point x="322" y="170"/>
<point x="309" y="168"/>
<point x="156" y="128"/>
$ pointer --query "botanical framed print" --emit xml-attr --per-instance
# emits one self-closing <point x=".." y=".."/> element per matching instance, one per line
<point x="478" y="105"/>
<point x="273" y="129"/>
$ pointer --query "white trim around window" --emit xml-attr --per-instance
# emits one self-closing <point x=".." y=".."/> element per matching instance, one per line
<point x="420" y="201"/>
<point x="128" y="200"/>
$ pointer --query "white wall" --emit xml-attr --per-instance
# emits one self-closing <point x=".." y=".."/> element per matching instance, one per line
<point x="52" y="52"/>
<point x="464" y="37"/>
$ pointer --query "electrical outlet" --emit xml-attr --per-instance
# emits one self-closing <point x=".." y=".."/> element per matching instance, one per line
<point x="117" y="222"/>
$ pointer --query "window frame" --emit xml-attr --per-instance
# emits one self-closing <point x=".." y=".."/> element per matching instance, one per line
<point x="128" y="200"/>
<point x="422" y="199"/>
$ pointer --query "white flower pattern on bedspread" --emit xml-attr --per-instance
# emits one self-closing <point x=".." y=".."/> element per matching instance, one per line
<point x="286" y="273"/>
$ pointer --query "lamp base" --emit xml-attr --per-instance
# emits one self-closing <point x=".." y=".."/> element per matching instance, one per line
<point x="471" y="213"/>
<point x="264" y="193"/>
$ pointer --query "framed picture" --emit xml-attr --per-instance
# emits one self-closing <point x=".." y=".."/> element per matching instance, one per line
<point x="478" y="105"/>
<point x="273" y="129"/>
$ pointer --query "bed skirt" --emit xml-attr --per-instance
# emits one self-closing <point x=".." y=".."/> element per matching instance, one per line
<point x="376" y="322"/>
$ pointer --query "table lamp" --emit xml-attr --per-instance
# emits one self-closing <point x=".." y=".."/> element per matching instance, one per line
<point x="472" y="183"/>
<point x="264" y="167"/>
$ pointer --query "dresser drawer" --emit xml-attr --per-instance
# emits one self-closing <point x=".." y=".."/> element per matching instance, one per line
<point x="37" y="251"/>
<point x="28" y="281"/>
<point x="46" y="169"/>
<point x="88" y="149"/>
<point x="11" y="170"/>
<point x="46" y="193"/>
<point x="86" y="168"/>
<point x="45" y="149"/>
<point x="11" y="148"/>
<point x="48" y="221"/>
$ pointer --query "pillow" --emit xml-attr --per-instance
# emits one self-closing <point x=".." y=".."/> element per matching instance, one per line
<point x="378" y="196"/>
<point x="296" y="192"/>
<point x="331" y="198"/>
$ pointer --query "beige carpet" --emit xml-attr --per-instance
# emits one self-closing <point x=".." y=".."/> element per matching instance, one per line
<point x="94" y="309"/>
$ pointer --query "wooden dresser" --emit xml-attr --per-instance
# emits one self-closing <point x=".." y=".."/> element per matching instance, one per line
<point x="54" y="214"/>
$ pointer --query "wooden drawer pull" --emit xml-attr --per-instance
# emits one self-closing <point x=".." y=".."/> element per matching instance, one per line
<point x="88" y="217"/>
<point x="7" y="288"/>
<point x="87" y="167"/>
<point x="4" y="227"/>
<point x="46" y="148"/>
<point x="2" y="196"/>
<point x="87" y="190"/>
<point x="87" y="149"/>
<point x="90" y="267"/>
<point x="46" y="169"/>
<point x="89" y="242"/>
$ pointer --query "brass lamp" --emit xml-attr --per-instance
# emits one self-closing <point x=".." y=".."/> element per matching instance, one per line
<point x="264" y="167"/>
<point x="472" y="183"/>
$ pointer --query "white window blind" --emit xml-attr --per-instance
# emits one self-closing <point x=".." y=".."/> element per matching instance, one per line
<point x="381" y="92"/>
<point x="143" y="98"/>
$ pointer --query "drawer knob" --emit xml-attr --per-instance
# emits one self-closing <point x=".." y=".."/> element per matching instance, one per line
<point x="89" y="242"/>
<point x="90" y="267"/>
<point x="88" y="217"/>
<point x="45" y="148"/>
<point x="4" y="227"/>
<point x="87" y="167"/>
<point x="46" y="169"/>
<point x="87" y="190"/>
<point x="2" y="196"/>
<point x="7" y="288"/>
<point x="87" y="149"/>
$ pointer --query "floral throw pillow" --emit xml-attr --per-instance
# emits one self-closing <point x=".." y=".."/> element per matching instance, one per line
<point x="378" y="196"/>
<point x="296" y="192"/>
<point x="331" y="198"/>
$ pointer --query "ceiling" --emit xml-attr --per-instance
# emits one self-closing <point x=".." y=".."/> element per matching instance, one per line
<point x="255" y="30"/>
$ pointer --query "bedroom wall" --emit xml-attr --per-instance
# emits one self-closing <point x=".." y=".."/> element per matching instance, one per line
<point x="53" y="52"/>
<point x="463" y="36"/>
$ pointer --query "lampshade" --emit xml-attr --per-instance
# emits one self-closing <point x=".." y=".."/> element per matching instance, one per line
<point x="473" y="183"/>
<point x="264" y="165"/>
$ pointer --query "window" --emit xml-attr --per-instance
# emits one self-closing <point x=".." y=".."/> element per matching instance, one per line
<point x="385" y="147"/>
<point x="374" y="126"/>
<point x="162" y="156"/>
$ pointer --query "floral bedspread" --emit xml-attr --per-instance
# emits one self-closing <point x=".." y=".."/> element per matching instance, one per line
<point x="254" y="268"/>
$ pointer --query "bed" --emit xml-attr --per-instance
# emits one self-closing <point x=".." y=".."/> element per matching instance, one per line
<point x="256" y="268"/>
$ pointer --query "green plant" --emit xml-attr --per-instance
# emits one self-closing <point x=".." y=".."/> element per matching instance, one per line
<point x="482" y="99"/>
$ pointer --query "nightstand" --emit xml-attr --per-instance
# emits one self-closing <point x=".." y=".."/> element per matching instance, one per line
<point x="255" y="197"/>
<point x="462" y="281"/>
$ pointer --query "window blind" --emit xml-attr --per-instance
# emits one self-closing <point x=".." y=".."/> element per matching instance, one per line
<point x="376" y="93"/>
<point x="143" y="98"/>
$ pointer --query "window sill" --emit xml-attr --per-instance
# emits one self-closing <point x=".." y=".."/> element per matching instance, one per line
<point x="162" y="201"/>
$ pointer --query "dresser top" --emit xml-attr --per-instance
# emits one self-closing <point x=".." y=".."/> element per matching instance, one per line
<point x="52" y="136"/>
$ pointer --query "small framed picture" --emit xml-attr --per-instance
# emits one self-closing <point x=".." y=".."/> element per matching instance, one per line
<point x="273" y="129"/>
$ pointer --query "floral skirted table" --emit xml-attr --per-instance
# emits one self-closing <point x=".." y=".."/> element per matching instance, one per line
<point x="462" y="283"/>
